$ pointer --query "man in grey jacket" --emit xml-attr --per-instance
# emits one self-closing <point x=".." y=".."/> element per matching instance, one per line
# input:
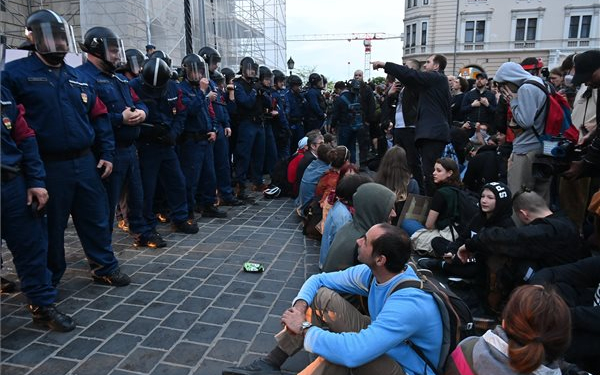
<point x="526" y="101"/>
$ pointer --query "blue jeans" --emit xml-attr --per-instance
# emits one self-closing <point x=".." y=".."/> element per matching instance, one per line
<point x="347" y="137"/>
<point x="411" y="226"/>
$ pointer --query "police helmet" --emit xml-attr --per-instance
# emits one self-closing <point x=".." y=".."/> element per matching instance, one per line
<point x="278" y="76"/>
<point x="264" y="73"/>
<point x="314" y="79"/>
<point x="163" y="56"/>
<point x="49" y="33"/>
<point x="194" y="68"/>
<point x="218" y="77"/>
<point x="155" y="76"/>
<point x="210" y="55"/>
<point x="135" y="59"/>
<point x="248" y="68"/>
<point x="354" y="85"/>
<point x="104" y="44"/>
<point x="294" y="80"/>
<point x="228" y="73"/>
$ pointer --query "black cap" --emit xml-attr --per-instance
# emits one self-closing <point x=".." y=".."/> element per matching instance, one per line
<point x="585" y="65"/>
<point x="481" y="74"/>
<point x="150" y="46"/>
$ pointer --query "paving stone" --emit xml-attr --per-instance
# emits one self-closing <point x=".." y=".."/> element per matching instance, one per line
<point x="216" y="315"/>
<point x="166" y="369"/>
<point x="195" y="304"/>
<point x="120" y="344"/>
<point x="228" y="300"/>
<point x="240" y="288"/>
<point x="141" y="360"/>
<point x="199" y="272"/>
<point x="252" y="313"/>
<point x="123" y="312"/>
<point x="202" y="333"/>
<point x="141" y="298"/>
<point x="261" y="298"/>
<point x="141" y="326"/>
<point x="32" y="354"/>
<point x="186" y="283"/>
<point x="173" y="296"/>
<point x="85" y="317"/>
<point x="228" y="269"/>
<point x="242" y="331"/>
<point x="211" y="367"/>
<point x="91" y="292"/>
<point x="226" y="349"/>
<point x="104" y="303"/>
<point x="6" y="369"/>
<point x="157" y="285"/>
<point x="79" y="348"/>
<point x="97" y="364"/>
<point x="263" y="343"/>
<point x="19" y="339"/>
<point x="158" y="310"/>
<point x="186" y="353"/>
<point x="185" y="264"/>
<point x="208" y="291"/>
<point x="102" y="329"/>
<point x="170" y="274"/>
<point x="11" y="323"/>
<point x="54" y="366"/>
<point x="271" y="286"/>
<point x="180" y="320"/>
<point x="58" y="338"/>
<point x="140" y="278"/>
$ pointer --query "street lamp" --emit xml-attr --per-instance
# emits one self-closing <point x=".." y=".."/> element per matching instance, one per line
<point x="290" y="64"/>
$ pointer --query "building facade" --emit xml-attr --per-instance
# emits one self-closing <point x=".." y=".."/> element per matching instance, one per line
<point x="487" y="33"/>
<point x="236" y="28"/>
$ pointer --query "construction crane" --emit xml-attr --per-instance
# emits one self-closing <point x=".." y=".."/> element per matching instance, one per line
<point x="367" y="39"/>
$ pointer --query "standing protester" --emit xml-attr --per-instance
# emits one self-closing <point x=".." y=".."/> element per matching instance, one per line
<point x="369" y="133"/>
<point x="347" y="117"/>
<point x="69" y="119"/>
<point x="105" y="53"/>
<point x="479" y="104"/>
<point x="156" y="147"/>
<point x="432" y="131"/>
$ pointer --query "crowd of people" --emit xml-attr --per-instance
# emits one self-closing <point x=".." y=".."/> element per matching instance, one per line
<point x="513" y="217"/>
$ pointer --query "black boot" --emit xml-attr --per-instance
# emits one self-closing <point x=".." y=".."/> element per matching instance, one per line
<point x="211" y="211"/>
<point x="50" y="317"/>
<point x="7" y="286"/>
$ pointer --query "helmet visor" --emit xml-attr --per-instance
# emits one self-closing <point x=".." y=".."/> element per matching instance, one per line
<point x="249" y="69"/>
<point x="114" y="52"/>
<point x="196" y="70"/>
<point x="52" y="37"/>
<point x="134" y="64"/>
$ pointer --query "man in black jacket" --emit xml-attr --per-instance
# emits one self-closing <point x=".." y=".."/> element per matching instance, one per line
<point x="432" y="131"/>
<point x="479" y="104"/>
<point x="579" y="284"/>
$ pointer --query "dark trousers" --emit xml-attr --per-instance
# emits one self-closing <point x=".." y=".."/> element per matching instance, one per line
<point x="76" y="189"/>
<point x="429" y="151"/>
<point x="347" y="137"/>
<point x="222" y="165"/>
<point x="126" y="176"/>
<point x="198" y="166"/>
<point x="26" y="239"/>
<point x="271" y="156"/>
<point x="250" y="150"/>
<point x="160" y="163"/>
<point x="405" y="138"/>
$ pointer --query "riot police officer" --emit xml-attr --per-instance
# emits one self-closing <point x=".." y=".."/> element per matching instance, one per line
<point x="196" y="154"/>
<point x="134" y="62"/>
<point x="68" y="119"/>
<point x="316" y="106"/>
<point x="251" y="108"/>
<point x="105" y="54"/>
<point x="156" y="145"/>
<point x="264" y="86"/>
<point x="281" y="128"/>
<point x="296" y="106"/>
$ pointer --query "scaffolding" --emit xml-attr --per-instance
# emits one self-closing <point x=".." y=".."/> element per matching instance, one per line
<point x="236" y="28"/>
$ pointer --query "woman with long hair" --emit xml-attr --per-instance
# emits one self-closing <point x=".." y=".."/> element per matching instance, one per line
<point x="535" y="333"/>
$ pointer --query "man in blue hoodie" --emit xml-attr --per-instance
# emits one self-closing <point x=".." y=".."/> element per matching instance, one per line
<point x="526" y="100"/>
<point x="324" y="323"/>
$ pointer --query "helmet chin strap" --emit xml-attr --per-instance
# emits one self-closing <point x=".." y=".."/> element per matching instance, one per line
<point x="54" y="59"/>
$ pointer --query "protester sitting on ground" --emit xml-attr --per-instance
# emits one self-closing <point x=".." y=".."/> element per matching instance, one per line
<point x="534" y="334"/>
<point x="579" y="284"/>
<point x="311" y="177"/>
<point x="488" y="165"/>
<point x="373" y="204"/>
<point x="545" y="240"/>
<point x="441" y="211"/>
<point x="341" y="211"/>
<point x="347" y="341"/>
<point x="338" y="157"/>
<point x="315" y="139"/>
<point x="293" y="165"/>
<point x="394" y="174"/>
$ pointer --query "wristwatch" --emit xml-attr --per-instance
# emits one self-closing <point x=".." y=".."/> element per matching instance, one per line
<point x="305" y="326"/>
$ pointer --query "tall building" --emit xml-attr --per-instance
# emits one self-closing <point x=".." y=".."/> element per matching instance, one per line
<point x="236" y="28"/>
<point x="487" y="33"/>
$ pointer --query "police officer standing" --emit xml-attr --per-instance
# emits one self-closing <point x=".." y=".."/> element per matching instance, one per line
<point x="156" y="145"/>
<point x="281" y="128"/>
<point x="196" y="154"/>
<point x="23" y="199"/>
<point x="316" y="106"/>
<point x="263" y="86"/>
<point x="251" y="108"/>
<point x="296" y="105"/>
<point x="126" y="112"/>
<point x="68" y="119"/>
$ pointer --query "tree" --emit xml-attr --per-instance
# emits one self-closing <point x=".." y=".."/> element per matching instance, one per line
<point x="378" y="80"/>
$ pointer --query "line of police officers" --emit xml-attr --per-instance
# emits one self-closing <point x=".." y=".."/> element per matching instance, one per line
<point x="82" y="142"/>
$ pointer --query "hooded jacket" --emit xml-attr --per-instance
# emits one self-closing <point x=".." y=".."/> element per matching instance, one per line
<point x="488" y="355"/>
<point x="528" y="101"/>
<point x="373" y="203"/>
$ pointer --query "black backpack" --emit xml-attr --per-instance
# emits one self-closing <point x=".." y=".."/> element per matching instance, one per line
<point x="457" y="320"/>
<point x="355" y="111"/>
<point x="467" y="208"/>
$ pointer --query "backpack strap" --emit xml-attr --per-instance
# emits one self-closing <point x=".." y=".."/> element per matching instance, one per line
<point x="545" y="108"/>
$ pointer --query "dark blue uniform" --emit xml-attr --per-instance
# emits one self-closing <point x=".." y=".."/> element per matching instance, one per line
<point x="115" y="93"/>
<point x="250" y="147"/>
<point x="156" y="147"/>
<point x="221" y="146"/>
<point x="281" y="128"/>
<point x="25" y="235"/>
<point x="69" y="120"/>
<point x="196" y="154"/>
<point x="315" y="109"/>
<point x="270" y="123"/>
<point x="296" y="104"/>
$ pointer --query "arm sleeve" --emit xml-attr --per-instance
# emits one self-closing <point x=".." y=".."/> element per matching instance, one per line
<point x="407" y="75"/>
<point x="24" y="137"/>
<point x="102" y="127"/>
<point x="313" y="103"/>
<point x="524" y="107"/>
<point x="244" y="100"/>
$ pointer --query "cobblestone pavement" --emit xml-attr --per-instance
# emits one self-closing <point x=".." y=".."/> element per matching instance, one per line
<point x="189" y="310"/>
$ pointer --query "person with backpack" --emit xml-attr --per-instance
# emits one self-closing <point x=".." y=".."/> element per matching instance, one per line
<point x="534" y="334"/>
<point x="446" y="217"/>
<point x="400" y="323"/>
<point x="526" y="102"/>
<point x="347" y="117"/>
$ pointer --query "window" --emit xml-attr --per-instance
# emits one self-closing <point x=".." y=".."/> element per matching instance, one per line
<point x="474" y="31"/>
<point x="423" y="33"/>
<point x="579" y="27"/>
<point x="526" y="29"/>
<point x="411" y="3"/>
<point x="2" y="5"/>
<point x="425" y="2"/>
<point x="407" y="40"/>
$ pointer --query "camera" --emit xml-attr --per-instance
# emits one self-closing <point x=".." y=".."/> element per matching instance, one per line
<point x="557" y="158"/>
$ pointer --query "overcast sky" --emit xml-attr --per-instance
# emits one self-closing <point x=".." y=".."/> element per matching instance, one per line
<point x="341" y="17"/>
